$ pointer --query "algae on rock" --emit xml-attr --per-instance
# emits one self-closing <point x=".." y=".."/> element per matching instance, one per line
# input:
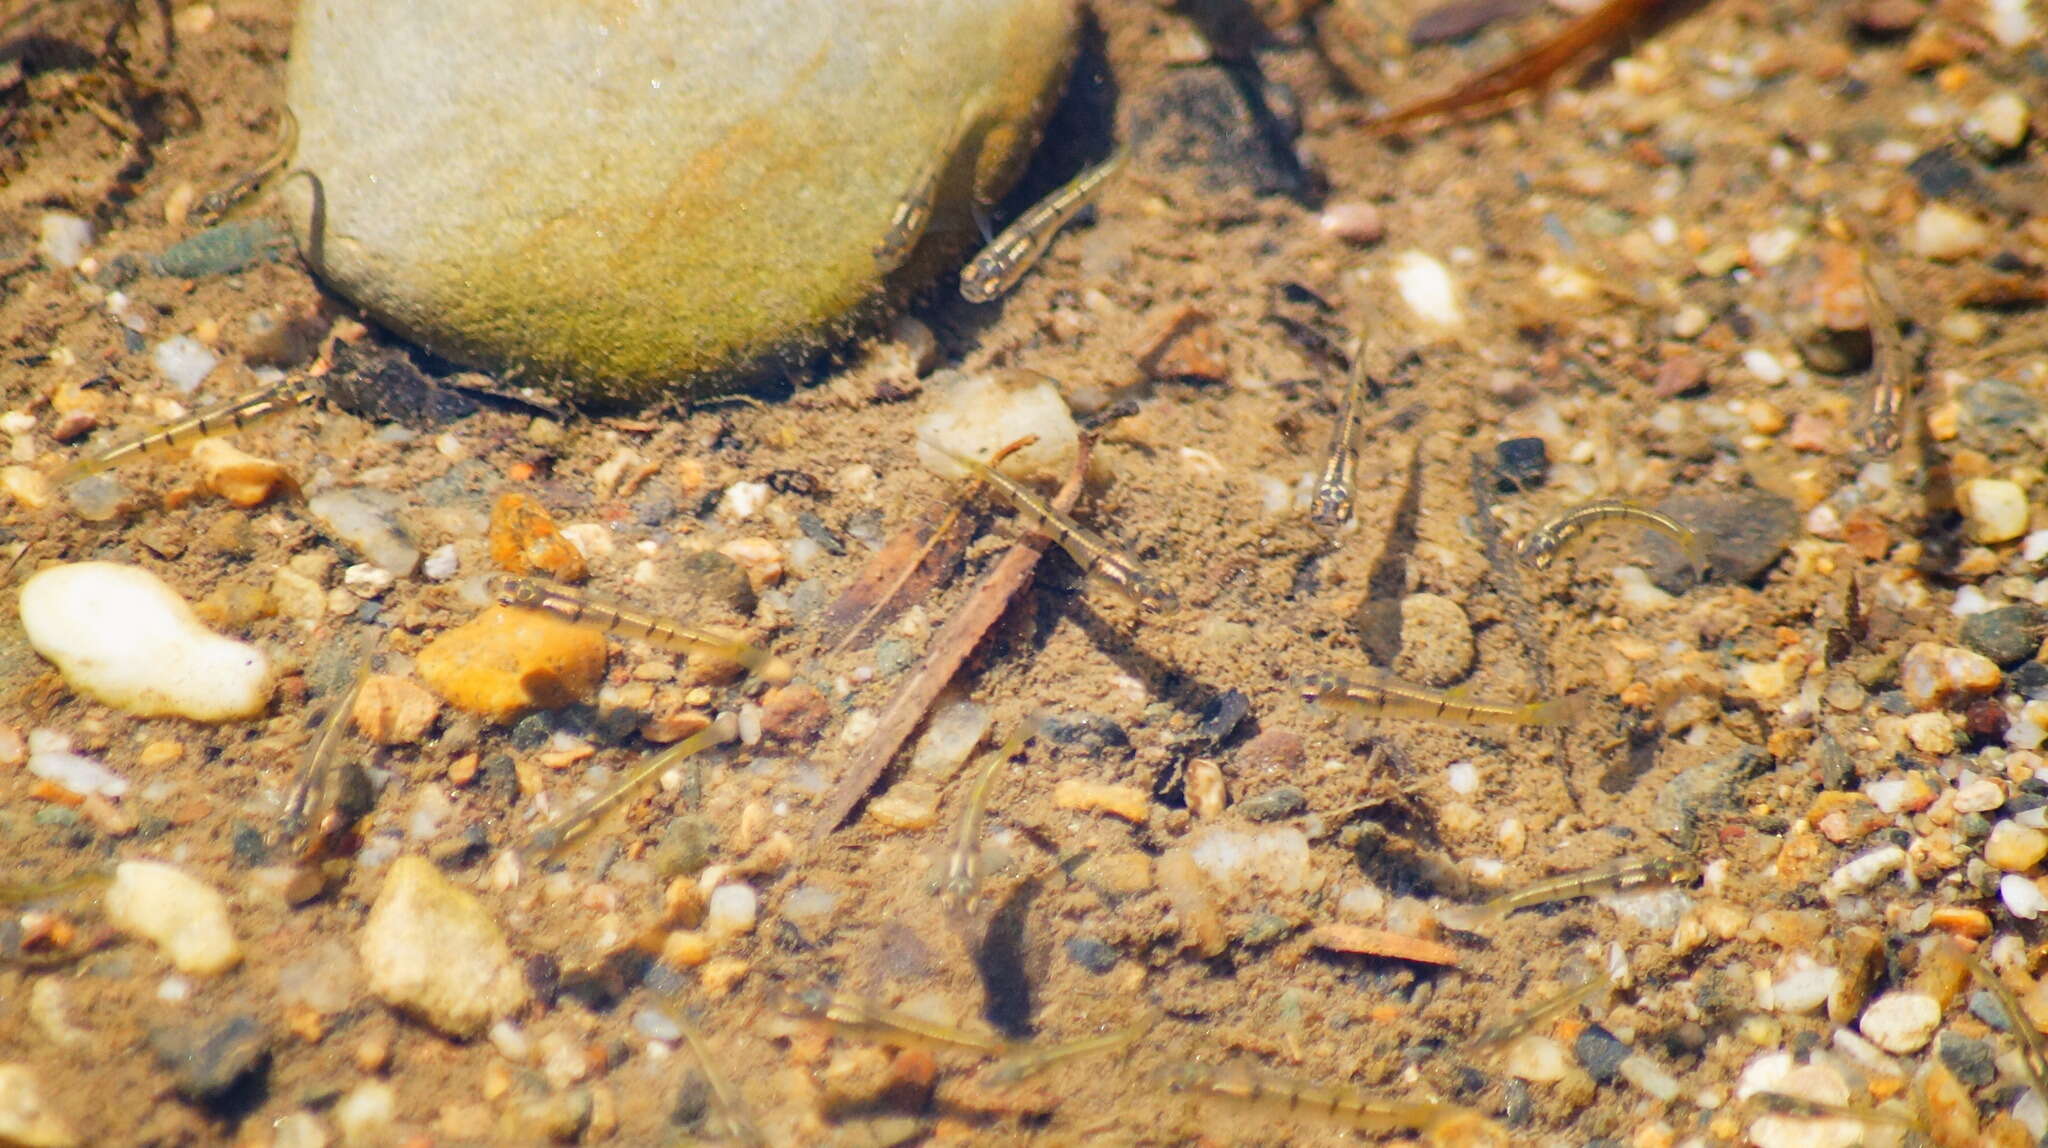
<point x="626" y="197"/>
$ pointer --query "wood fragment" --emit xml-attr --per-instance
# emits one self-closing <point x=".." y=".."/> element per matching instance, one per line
<point x="949" y="649"/>
<point x="1381" y="943"/>
<point x="1493" y="89"/>
<point x="904" y="570"/>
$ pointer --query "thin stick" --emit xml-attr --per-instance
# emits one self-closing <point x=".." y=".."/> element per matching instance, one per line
<point x="950" y="647"/>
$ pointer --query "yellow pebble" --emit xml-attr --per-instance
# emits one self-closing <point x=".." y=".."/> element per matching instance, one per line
<point x="506" y="661"/>
<point x="1125" y="801"/>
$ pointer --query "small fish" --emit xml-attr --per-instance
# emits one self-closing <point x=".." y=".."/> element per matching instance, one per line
<point x="1628" y="874"/>
<point x="2033" y="1058"/>
<point x="1490" y="90"/>
<point x="565" y="830"/>
<point x="1382" y="695"/>
<point x="1546" y="542"/>
<point x="1542" y="1012"/>
<point x="738" y="1121"/>
<point x="221" y="418"/>
<point x="258" y="182"/>
<point x="1786" y="1103"/>
<point x="1335" y="491"/>
<point x="1281" y="1097"/>
<point x="583" y="608"/>
<point x="14" y="894"/>
<point x="1030" y="1060"/>
<point x="914" y="211"/>
<point x="327" y="798"/>
<point x="863" y="1020"/>
<point x="1003" y="262"/>
<point x="961" y="894"/>
<point x="1096" y="558"/>
<point x="1891" y="368"/>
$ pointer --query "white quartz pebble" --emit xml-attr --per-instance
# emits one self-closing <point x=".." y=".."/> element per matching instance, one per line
<point x="64" y="238"/>
<point x="980" y="414"/>
<point x="118" y="634"/>
<point x="177" y="912"/>
<point x="184" y="362"/>
<point x="731" y="911"/>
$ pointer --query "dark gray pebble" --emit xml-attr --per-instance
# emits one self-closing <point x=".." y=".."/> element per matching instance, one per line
<point x="2007" y="635"/>
<point x="207" y="1058"/>
<point x="1744" y="533"/>
<point x="1274" y="804"/>
<point x="1091" y="954"/>
<point x="1521" y="464"/>
<point x="1970" y="1059"/>
<point x="1600" y="1053"/>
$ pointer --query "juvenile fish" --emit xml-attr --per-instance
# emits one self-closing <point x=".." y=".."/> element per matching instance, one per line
<point x="2033" y="1058"/>
<point x="584" y="608"/>
<point x="14" y="894"/>
<point x="1543" y="1012"/>
<point x="1629" y="874"/>
<point x="1002" y="263"/>
<point x="221" y="418"/>
<point x="961" y="894"/>
<point x="739" y="1122"/>
<point x="259" y="180"/>
<point x="1030" y="1060"/>
<point x="1337" y="488"/>
<point x="1096" y="558"/>
<point x="565" y="830"/>
<point x="1281" y="1097"/>
<point x="327" y="797"/>
<point x="1891" y="368"/>
<point x="1382" y="695"/>
<point x="1547" y="542"/>
<point x="863" y="1020"/>
<point x="914" y="210"/>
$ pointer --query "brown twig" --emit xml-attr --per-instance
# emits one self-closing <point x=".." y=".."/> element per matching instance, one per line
<point x="950" y="647"/>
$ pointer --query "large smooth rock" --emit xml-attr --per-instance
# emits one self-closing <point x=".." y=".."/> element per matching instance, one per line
<point x="432" y="951"/>
<point x="621" y="196"/>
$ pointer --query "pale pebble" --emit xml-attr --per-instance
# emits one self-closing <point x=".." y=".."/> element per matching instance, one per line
<point x="441" y="564"/>
<point x="184" y="362"/>
<point x="2001" y="121"/>
<point x="362" y="519"/>
<point x="2022" y="898"/>
<point x="63" y="238"/>
<point x="1358" y="223"/>
<point x="1236" y="860"/>
<point x="50" y="758"/>
<point x="26" y="1118"/>
<point x="1994" y="509"/>
<point x="977" y="415"/>
<point x="1462" y="777"/>
<point x="1425" y="284"/>
<point x="180" y="914"/>
<point x="731" y="911"/>
<point x="433" y="951"/>
<point x="1804" y="986"/>
<point x="1537" y="1059"/>
<point x="1900" y="1022"/>
<point x="2015" y="848"/>
<point x="1946" y="233"/>
<point x="1865" y="871"/>
<point x="366" y="1113"/>
<point x="120" y="635"/>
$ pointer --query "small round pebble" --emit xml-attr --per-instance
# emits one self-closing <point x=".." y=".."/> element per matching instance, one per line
<point x="731" y="912"/>
<point x="184" y="362"/>
<point x="2022" y="898"/>
<point x="1994" y="509"/>
<point x="1901" y="1022"/>
<point x="1274" y="804"/>
<point x="63" y="238"/>
<point x="1945" y="233"/>
<point x="1358" y="223"/>
<point x="2014" y="847"/>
